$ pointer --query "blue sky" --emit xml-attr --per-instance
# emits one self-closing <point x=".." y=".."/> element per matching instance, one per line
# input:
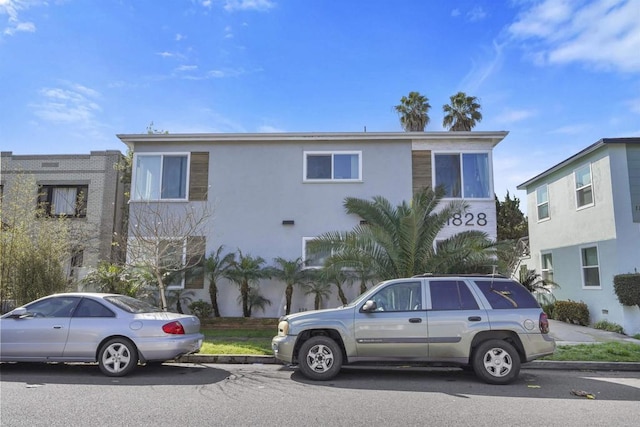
<point x="558" y="75"/>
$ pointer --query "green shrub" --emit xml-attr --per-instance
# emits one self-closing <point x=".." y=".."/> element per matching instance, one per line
<point x="571" y="312"/>
<point x="201" y="309"/>
<point x="548" y="308"/>
<point x="627" y="288"/>
<point x="605" y="325"/>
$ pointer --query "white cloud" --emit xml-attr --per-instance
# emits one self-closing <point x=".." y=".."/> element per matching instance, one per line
<point x="603" y="34"/>
<point x="72" y="103"/>
<point x="269" y="129"/>
<point x="13" y="8"/>
<point x="476" y="14"/>
<point x="259" y="5"/>
<point x="455" y="12"/>
<point x="513" y="116"/>
<point x="180" y="37"/>
<point x="571" y="129"/>
<point x="187" y="68"/>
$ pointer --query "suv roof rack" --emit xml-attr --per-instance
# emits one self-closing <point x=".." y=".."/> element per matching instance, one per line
<point x="495" y="276"/>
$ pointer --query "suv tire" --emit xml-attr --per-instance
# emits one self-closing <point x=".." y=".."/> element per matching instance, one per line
<point x="496" y="362"/>
<point x="320" y="358"/>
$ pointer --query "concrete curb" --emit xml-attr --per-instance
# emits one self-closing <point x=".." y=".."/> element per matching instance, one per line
<point x="244" y="359"/>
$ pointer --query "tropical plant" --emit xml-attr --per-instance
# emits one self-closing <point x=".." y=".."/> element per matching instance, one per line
<point x="254" y="300"/>
<point x="542" y="288"/>
<point x="399" y="241"/>
<point x="292" y="273"/>
<point x="318" y="286"/>
<point x="462" y="114"/>
<point x="246" y="271"/>
<point x="179" y="297"/>
<point x="201" y="309"/>
<point x="414" y="112"/>
<point x="216" y="265"/>
<point x="111" y="278"/>
<point x="338" y="277"/>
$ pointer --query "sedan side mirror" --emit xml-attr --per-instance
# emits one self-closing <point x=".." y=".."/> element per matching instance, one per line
<point x="368" y="306"/>
<point x="17" y="313"/>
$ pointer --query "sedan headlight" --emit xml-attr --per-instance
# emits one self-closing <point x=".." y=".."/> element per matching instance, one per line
<point x="283" y="328"/>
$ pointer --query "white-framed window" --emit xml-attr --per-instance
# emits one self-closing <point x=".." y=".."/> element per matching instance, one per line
<point x="584" y="188"/>
<point x="315" y="260"/>
<point x="547" y="266"/>
<point x="160" y="176"/>
<point x="542" y="202"/>
<point x="332" y="166"/>
<point x="463" y="175"/>
<point x="590" y="267"/>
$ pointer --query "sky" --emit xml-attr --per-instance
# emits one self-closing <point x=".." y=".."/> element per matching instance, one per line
<point x="557" y="75"/>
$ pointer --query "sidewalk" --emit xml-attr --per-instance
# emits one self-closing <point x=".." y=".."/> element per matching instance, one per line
<point x="563" y="333"/>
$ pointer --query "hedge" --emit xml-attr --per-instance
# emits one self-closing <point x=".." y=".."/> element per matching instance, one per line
<point x="627" y="288"/>
<point x="571" y="312"/>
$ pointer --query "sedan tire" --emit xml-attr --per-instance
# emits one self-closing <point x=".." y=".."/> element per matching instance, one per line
<point x="320" y="358"/>
<point x="496" y="362"/>
<point x="117" y="357"/>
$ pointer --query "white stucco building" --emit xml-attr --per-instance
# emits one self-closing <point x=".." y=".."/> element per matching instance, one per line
<point x="584" y="226"/>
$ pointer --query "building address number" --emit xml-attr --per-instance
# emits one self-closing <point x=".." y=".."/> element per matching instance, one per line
<point x="468" y="219"/>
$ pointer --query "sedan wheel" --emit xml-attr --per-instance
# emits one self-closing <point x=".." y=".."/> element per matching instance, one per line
<point x="117" y="357"/>
<point x="496" y="362"/>
<point x="320" y="358"/>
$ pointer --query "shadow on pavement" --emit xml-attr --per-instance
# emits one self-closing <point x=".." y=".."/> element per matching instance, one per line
<point x="456" y="382"/>
<point x="35" y="374"/>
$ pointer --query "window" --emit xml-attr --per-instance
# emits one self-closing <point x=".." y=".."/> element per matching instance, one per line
<point x="160" y="177"/>
<point x="584" y="190"/>
<point x="64" y="200"/>
<point x="542" y="202"/>
<point x="547" y="267"/>
<point x="332" y="166"/>
<point x="590" y="267"/>
<point x="312" y="260"/>
<point x="465" y="175"/>
<point x="53" y="307"/>
<point x="506" y="294"/>
<point x="91" y="308"/>
<point x="405" y="296"/>
<point x="451" y="295"/>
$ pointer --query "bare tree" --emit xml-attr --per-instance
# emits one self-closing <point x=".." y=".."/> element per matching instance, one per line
<point x="167" y="241"/>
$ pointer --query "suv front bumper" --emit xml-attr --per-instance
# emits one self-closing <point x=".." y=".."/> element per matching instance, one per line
<point x="283" y="346"/>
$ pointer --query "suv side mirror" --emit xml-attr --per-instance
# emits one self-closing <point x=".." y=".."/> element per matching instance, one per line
<point x="368" y="306"/>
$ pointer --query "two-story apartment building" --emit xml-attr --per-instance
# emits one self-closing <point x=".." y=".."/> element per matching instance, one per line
<point x="584" y="226"/>
<point x="84" y="188"/>
<point x="269" y="194"/>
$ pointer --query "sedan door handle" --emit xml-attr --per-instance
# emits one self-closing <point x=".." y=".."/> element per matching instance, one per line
<point x="474" y="318"/>
<point x="57" y="326"/>
<point x="415" y="320"/>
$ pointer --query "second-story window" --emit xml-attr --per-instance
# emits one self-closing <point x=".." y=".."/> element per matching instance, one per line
<point x="463" y="175"/>
<point x="160" y="177"/>
<point x="332" y="166"/>
<point x="584" y="189"/>
<point x="64" y="200"/>
<point x="542" y="202"/>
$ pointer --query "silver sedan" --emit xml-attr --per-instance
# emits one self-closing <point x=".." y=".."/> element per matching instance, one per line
<point x="116" y="331"/>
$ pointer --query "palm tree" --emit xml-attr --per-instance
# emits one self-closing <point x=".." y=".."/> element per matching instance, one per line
<point x="338" y="277"/>
<point x="255" y="299"/>
<point x="217" y="265"/>
<point x="291" y="272"/>
<point x="414" y="112"/>
<point x="246" y="271"/>
<point x="462" y="114"/>
<point x="319" y="287"/>
<point x="536" y="284"/>
<point x="400" y="241"/>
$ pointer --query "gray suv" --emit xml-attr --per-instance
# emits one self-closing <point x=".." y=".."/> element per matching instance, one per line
<point x="487" y="322"/>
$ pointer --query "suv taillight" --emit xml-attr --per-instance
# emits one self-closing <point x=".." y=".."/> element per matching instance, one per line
<point x="174" y="328"/>
<point x="544" y="323"/>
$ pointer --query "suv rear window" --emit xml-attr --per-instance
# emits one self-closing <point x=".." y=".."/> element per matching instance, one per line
<point x="506" y="294"/>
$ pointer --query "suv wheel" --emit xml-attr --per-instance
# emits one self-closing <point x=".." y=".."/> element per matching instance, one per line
<point x="320" y="358"/>
<point x="496" y="362"/>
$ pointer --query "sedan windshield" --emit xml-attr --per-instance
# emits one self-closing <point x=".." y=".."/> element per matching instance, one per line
<point x="131" y="305"/>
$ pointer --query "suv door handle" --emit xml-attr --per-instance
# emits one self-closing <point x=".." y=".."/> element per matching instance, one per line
<point x="415" y="320"/>
<point x="474" y="318"/>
